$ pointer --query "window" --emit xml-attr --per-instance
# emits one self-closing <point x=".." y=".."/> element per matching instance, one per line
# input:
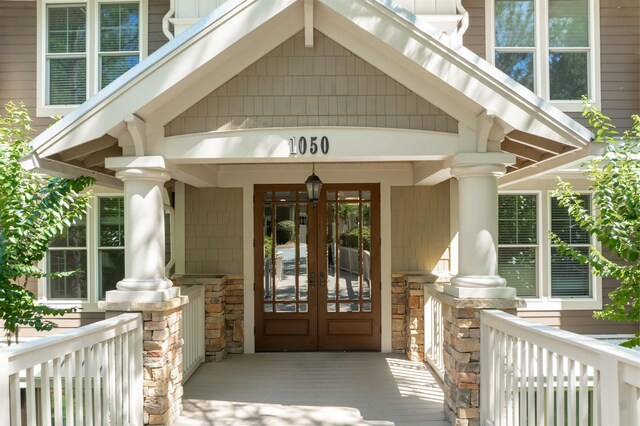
<point x="68" y="252"/>
<point x="532" y="264"/>
<point x="94" y="246"/>
<point x="569" y="278"/>
<point x="84" y="46"/>
<point x="111" y="243"/>
<point x="518" y="242"/>
<point x="548" y="46"/>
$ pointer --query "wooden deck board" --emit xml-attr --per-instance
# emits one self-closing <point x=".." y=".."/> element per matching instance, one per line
<point x="321" y="388"/>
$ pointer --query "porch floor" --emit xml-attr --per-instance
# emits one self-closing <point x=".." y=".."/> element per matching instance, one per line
<point x="321" y="388"/>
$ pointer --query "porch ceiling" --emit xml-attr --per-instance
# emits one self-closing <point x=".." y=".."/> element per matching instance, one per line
<point x="238" y="33"/>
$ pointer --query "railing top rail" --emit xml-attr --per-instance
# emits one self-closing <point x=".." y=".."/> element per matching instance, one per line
<point x="583" y="347"/>
<point x="41" y="350"/>
<point x="194" y="288"/>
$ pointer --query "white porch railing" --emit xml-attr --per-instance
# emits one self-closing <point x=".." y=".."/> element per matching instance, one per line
<point x="90" y="375"/>
<point x="433" y="334"/>
<point x="536" y="374"/>
<point x="192" y="330"/>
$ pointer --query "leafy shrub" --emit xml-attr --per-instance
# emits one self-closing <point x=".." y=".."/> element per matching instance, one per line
<point x="285" y="231"/>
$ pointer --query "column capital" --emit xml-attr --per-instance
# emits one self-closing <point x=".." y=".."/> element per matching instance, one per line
<point x="480" y="164"/>
<point x="138" y="174"/>
<point x="478" y="170"/>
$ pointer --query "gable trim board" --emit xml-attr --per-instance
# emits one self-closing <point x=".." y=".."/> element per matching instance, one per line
<point x="240" y="32"/>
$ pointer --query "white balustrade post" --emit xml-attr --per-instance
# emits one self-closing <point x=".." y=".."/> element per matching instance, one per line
<point x="145" y="279"/>
<point x="478" y="230"/>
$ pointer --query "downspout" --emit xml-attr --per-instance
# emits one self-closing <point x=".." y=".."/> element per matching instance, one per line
<point x="170" y="14"/>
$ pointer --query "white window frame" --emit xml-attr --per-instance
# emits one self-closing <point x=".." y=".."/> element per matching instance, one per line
<point x="92" y="53"/>
<point x="539" y="236"/>
<point x="544" y="301"/>
<point x="90" y="304"/>
<point x="541" y="52"/>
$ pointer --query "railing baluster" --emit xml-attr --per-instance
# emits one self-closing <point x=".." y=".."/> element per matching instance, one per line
<point x="597" y="420"/>
<point x="14" y="398"/>
<point x="57" y="392"/>
<point x="523" y="383"/>
<point x="560" y="389"/>
<point x="531" y="394"/>
<point x="97" y="383"/>
<point x="45" y="395"/>
<point x="125" y="378"/>
<point x="68" y="390"/>
<point x="79" y="373"/>
<point x="500" y="383"/>
<point x="540" y="387"/>
<point x="107" y="387"/>
<point x="30" y="390"/>
<point x="549" y="393"/>
<point x="584" y="396"/>
<point x="513" y="416"/>
<point x="88" y="386"/>
<point x="571" y="395"/>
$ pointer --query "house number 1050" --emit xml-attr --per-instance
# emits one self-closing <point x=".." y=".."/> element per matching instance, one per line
<point x="301" y="146"/>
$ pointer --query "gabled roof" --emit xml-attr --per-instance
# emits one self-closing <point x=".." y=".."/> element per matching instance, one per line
<point x="241" y="31"/>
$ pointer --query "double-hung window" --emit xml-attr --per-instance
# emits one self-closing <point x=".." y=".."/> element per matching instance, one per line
<point x="93" y="246"/>
<point x="84" y="46"/>
<point x="518" y="242"/>
<point x="532" y="264"/>
<point x="569" y="278"/>
<point x="548" y="46"/>
<point x="68" y="252"/>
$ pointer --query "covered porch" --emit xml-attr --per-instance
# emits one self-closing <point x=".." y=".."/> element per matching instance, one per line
<point x="321" y="388"/>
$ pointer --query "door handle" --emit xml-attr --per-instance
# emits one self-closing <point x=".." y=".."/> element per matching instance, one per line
<point x="312" y="279"/>
<point x="323" y="280"/>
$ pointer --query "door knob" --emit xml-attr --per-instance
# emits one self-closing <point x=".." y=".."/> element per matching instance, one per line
<point x="312" y="279"/>
<point x="323" y="280"/>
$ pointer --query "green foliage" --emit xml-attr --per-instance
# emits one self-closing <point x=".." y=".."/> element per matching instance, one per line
<point x="285" y="231"/>
<point x="33" y="210"/>
<point x="615" y="184"/>
<point x="350" y="239"/>
<point x="268" y="244"/>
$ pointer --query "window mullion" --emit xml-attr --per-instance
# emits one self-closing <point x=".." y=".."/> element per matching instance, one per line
<point x="542" y="49"/>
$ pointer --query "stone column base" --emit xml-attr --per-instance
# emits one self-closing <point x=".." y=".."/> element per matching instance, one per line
<point x="461" y="352"/>
<point x="162" y="356"/>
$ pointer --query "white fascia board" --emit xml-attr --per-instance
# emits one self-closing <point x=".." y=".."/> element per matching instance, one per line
<point x="50" y="167"/>
<point x="454" y="69"/>
<point x="345" y="144"/>
<point x="163" y="74"/>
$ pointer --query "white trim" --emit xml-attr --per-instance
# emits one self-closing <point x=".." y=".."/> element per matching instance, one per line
<point x="91" y="53"/>
<point x="90" y="304"/>
<point x="180" y="227"/>
<point x="422" y="59"/>
<point x="247" y="176"/>
<point x="544" y="301"/>
<point x="541" y="52"/>
<point x="345" y="144"/>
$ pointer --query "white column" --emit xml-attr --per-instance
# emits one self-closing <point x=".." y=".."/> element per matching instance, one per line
<point x="478" y="233"/>
<point x="144" y="280"/>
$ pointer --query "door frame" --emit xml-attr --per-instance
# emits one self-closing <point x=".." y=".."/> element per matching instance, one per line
<point x="317" y="301"/>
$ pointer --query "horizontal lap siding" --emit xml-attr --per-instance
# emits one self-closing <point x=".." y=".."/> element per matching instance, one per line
<point x="18" y="57"/>
<point x="620" y="58"/>
<point x="474" y="37"/>
<point x="582" y="321"/>
<point x="69" y="321"/>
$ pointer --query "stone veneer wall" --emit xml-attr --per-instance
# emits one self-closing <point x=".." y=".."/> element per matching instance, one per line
<point x="162" y="366"/>
<point x="224" y="313"/>
<point x="461" y="352"/>
<point x="407" y="313"/>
